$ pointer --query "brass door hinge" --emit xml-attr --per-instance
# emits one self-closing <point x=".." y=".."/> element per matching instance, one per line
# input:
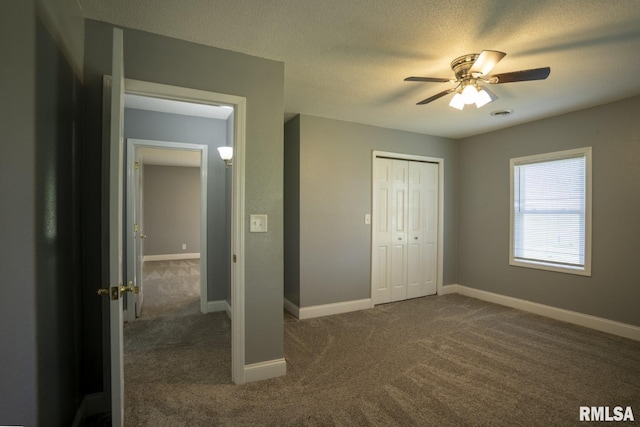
<point x="130" y="288"/>
<point x="113" y="292"/>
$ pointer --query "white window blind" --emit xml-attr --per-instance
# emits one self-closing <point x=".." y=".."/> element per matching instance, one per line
<point x="550" y="207"/>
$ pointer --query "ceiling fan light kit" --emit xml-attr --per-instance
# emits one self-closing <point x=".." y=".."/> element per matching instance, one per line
<point x="473" y="69"/>
<point x="472" y="94"/>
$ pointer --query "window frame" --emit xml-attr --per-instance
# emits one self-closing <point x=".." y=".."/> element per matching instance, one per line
<point x="585" y="152"/>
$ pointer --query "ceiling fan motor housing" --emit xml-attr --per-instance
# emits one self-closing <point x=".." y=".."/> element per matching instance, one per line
<point x="462" y="64"/>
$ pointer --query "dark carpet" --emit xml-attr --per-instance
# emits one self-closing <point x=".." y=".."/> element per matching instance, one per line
<point x="434" y="361"/>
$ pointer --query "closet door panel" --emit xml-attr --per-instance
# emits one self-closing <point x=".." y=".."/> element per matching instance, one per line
<point x="399" y="223"/>
<point x="382" y="231"/>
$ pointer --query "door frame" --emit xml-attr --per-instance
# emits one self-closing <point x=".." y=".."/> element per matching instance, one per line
<point x="415" y="157"/>
<point x="135" y="143"/>
<point x="238" y="103"/>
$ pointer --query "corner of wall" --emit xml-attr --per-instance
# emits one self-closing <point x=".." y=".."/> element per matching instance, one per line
<point x="64" y="20"/>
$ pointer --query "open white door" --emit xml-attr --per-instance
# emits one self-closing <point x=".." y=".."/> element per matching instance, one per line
<point x="139" y="238"/>
<point x="134" y="231"/>
<point x="115" y="230"/>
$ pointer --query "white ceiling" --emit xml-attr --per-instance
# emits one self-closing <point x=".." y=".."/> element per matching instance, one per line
<point x="169" y="157"/>
<point x="176" y="107"/>
<point x="346" y="59"/>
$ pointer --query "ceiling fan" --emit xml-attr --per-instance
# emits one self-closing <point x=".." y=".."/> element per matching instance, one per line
<point x="473" y="69"/>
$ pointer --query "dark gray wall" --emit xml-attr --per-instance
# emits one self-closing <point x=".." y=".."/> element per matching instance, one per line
<point x="58" y="234"/>
<point x="154" y="58"/>
<point x="292" y="210"/>
<point x="171" y="209"/>
<point x="335" y="194"/>
<point x="40" y="297"/>
<point x="18" y="387"/>
<point x="613" y="291"/>
<point x="152" y="125"/>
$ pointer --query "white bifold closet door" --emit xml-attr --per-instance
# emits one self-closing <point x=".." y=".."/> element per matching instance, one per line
<point x="405" y="224"/>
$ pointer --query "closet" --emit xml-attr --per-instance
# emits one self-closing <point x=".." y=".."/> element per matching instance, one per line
<point x="404" y="229"/>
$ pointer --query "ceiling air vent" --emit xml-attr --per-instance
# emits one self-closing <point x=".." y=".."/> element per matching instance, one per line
<point x="501" y="113"/>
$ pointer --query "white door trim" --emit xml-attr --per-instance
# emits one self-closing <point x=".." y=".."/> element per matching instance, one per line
<point x="440" y="162"/>
<point x="132" y="144"/>
<point x="237" y="200"/>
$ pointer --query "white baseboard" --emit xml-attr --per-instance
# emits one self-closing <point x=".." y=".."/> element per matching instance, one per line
<point x="220" y="305"/>
<point x="227" y="308"/>
<point x="292" y="308"/>
<point x="598" y="323"/>
<point x="171" y="257"/>
<point x="265" y="370"/>
<point x="449" y="289"/>
<point x="335" y="308"/>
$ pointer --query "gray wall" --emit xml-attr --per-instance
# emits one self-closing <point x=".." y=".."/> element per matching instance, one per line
<point x="613" y="291"/>
<point x="58" y="234"/>
<point x="151" y="125"/>
<point x="40" y="295"/>
<point x="335" y="194"/>
<point x="292" y="210"/>
<point x="17" y="216"/>
<point x="171" y="209"/>
<point x="155" y="58"/>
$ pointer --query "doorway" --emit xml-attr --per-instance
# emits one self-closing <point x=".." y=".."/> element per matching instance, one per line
<point x="176" y="205"/>
<point x="237" y="202"/>
<point x="407" y="206"/>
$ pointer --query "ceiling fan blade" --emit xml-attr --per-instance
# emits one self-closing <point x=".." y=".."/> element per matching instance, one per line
<point x="436" y="96"/>
<point x="486" y="61"/>
<point x="426" y="79"/>
<point x="521" y="76"/>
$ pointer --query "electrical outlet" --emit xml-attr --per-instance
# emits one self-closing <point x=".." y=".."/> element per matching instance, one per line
<point x="184" y="246"/>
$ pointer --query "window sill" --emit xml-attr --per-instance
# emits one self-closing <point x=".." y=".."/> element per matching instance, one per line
<point x="580" y="271"/>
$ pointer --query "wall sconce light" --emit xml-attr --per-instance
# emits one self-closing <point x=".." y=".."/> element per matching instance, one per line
<point x="226" y="154"/>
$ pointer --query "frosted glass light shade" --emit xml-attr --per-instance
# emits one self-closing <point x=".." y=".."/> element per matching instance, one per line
<point x="469" y="94"/>
<point x="482" y="98"/>
<point x="457" y="102"/>
<point x="226" y="153"/>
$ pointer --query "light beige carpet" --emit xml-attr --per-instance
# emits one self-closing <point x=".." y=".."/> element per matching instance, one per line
<point x="434" y="361"/>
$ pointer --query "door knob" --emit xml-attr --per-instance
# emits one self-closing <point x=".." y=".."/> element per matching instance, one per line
<point x="142" y="236"/>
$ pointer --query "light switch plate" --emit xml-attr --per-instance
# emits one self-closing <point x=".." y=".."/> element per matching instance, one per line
<point x="367" y="219"/>
<point x="258" y="223"/>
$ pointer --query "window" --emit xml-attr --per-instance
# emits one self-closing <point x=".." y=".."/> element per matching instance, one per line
<point x="551" y="211"/>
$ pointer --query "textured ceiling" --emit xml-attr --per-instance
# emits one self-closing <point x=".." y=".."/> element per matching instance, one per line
<point x="346" y="59"/>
